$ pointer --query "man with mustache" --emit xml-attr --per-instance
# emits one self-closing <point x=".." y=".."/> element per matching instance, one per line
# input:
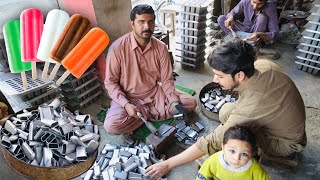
<point x="269" y="103"/>
<point x="260" y="19"/>
<point x="137" y="63"/>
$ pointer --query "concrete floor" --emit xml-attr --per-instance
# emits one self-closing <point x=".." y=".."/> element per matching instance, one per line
<point x="309" y="159"/>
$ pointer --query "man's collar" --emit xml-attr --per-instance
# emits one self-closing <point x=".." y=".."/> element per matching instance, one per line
<point x="134" y="43"/>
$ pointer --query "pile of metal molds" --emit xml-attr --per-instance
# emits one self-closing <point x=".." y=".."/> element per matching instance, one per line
<point x="308" y="58"/>
<point x="187" y="134"/>
<point x="193" y="21"/>
<point x="4" y="66"/>
<point x="50" y="136"/>
<point x="123" y="162"/>
<point x="38" y="92"/>
<point x="214" y="99"/>
<point x="79" y="93"/>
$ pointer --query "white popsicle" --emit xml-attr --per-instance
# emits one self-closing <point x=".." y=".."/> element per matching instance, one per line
<point x="54" y="25"/>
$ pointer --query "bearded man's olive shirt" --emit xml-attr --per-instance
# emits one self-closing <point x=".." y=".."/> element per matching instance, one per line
<point x="271" y="104"/>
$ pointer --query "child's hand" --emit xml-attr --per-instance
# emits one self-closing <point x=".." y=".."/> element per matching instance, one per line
<point x="157" y="170"/>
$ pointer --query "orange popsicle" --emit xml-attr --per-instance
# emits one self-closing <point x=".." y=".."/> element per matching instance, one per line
<point x="76" y="28"/>
<point x="84" y="53"/>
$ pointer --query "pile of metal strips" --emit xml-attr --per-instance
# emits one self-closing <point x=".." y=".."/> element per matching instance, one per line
<point x="128" y="161"/>
<point x="50" y="136"/>
<point x="187" y="134"/>
<point x="213" y="100"/>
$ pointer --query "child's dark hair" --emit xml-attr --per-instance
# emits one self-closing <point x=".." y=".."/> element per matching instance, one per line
<point x="243" y="133"/>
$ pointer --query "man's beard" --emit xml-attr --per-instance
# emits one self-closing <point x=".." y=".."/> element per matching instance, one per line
<point x="234" y="85"/>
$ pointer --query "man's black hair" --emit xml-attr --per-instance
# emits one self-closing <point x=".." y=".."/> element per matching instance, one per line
<point x="233" y="57"/>
<point x="243" y="133"/>
<point x="141" y="9"/>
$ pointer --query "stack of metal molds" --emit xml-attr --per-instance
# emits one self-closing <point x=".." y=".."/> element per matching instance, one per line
<point x="79" y="93"/>
<point x="187" y="134"/>
<point x="128" y="161"/>
<point x="50" y="136"/>
<point x="308" y="58"/>
<point x="38" y="92"/>
<point x="4" y="67"/>
<point x="193" y="21"/>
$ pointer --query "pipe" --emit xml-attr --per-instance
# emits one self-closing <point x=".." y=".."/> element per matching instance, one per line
<point x="28" y="151"/>
<point x="6" y="142"/>
<point x="92" y="146"/>
<point x="9" y="126"/>
<point x="31" y="131"/>
<point x="68" y="148"/>
<point x="81" y="154"/>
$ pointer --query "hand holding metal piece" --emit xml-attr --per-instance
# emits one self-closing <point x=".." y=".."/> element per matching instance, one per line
<point x="234" y="34"/>
<point x="148" y="124"/>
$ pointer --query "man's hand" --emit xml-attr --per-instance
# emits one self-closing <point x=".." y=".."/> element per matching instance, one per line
<point x="158" y="170"/>
<point x="132" y="110"/>
<point x="229" y="22"/>
<point x="173" y="107"/>
<point x="253" y="37"/>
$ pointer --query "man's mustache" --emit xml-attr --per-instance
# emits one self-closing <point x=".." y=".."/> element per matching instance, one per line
<point x="148" y="30"/>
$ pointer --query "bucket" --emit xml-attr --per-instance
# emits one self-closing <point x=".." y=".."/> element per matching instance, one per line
<point x="212" y="115"/>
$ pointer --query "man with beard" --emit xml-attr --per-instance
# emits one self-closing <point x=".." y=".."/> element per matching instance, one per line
<point x="269" y="103"/>
<point x="260" y="19"/>
<point x="137" y="63"/>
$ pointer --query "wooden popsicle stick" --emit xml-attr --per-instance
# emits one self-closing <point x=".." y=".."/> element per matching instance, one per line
<point x="62" y="78"/>
<point x="34" y="70"/>
<point x="54" y="71"/>
<point x="24" y="80"/>
<point x="45" y="70"/>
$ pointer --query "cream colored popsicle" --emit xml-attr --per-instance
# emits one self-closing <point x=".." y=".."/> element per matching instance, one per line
<point x="55" y="23"/>
<point x="84" y="53"/>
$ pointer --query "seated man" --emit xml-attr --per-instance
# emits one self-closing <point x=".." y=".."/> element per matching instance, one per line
<point x="136" y="64"/>
<point x="260" y="19"/>
<point x="269" y="102"/>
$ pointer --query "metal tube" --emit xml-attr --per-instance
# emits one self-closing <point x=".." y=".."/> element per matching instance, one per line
<point x="81" y="154"/>
<point x="66" y="128"/>
<point x="47" y="156"/>
<point x="13" y="138"/>
<point x="28" y="151"/>
<point x="39" y="134"/>
<point x="92" y="146"/>
<point x="55" y="103"/>
<point x="86" y="137"/>
<point x="31" y="131"/>
<point x="9" y="126"/>
<point x="26" y="114"/>
<point x="71" y="157"/>
<point x="68" y="148"/>
<point x="49" y="122"/>
<point x="35" y="143"/>
<point x="15" y="148"/>
<point x="39" y="153"/>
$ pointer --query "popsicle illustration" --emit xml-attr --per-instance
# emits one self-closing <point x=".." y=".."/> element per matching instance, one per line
<point x="76" y="28"/>
<point x="84" y="53"/>
<point x="11" y="33"/>
<point x="55" y="22"/>
<point x="31" y="27"/>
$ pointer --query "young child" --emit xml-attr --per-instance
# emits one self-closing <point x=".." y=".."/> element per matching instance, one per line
<point x="235" y="160"/>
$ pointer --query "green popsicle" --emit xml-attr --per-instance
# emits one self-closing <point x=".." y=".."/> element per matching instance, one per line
<point x="11" y="32"/>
